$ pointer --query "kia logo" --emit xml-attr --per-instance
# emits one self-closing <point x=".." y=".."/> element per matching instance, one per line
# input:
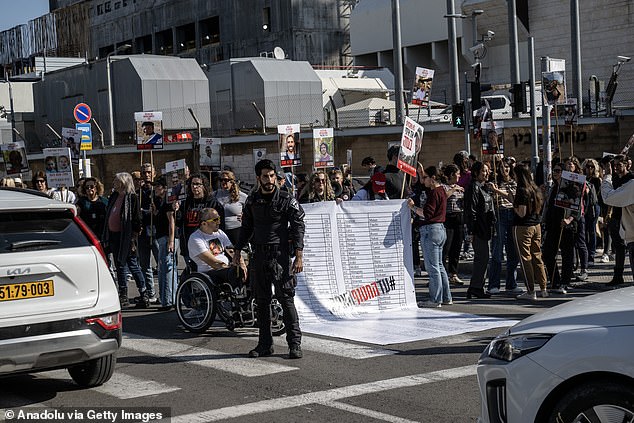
<point x="18" y="271"/>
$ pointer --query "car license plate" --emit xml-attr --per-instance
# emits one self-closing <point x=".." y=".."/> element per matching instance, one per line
<point x="21" y="291"/>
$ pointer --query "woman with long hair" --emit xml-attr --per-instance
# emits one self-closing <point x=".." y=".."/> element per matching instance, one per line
<point x="593" y="207"/>
<point x="120" y="235"/>
<point x="433" y="237"/>
<point x="92" y="205"/>
<point x="232" y="199"/>
<point x="480" y="218"/>
<point x="318" y="189"/>
<point x="504" y="189"/>
<point x="527" y="205"/>
<point x="454" y="226"/>
<point x="188" y="211"/>
<point x="572" y="165"/>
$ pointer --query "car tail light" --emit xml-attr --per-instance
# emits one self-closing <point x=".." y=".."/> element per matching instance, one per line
<point x="91" y="236"/>
<point x="108" y="322"/>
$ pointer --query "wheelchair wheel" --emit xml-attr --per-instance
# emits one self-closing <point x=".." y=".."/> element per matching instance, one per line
<point x="277" y="318"/>
<point x="196" y="303"/>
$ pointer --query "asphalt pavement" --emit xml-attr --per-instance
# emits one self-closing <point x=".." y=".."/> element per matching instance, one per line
<point x="209" y="377"/>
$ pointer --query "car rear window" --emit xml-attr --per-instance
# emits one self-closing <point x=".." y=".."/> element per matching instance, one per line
<point x="39" y="230"/>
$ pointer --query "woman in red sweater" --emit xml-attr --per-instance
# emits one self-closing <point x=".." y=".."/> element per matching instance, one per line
<point x="433" y="237"/>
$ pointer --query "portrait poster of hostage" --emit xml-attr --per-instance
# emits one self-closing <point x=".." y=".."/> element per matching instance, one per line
<point x="571" y="188"/>
<point x="554" y="87"/>
<point x="289" y="145"/>
<point x="14" y="157"/>
<point x="323" y="147"/>
<point x="492" y="137"/>
<point x="411" y="144"/>
<point x="149" y="130"/>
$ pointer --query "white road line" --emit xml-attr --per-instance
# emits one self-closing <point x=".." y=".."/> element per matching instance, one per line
<point x="365" y="412"/>
<point x="339" y="348"/>
<point x="125" y="387"/>
<point x="322" y="397"/>
<point x="202" y="356"/>
<point x="121" y="385"/>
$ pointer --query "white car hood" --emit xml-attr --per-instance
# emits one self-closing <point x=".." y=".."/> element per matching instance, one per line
<point x="607" y="309"/>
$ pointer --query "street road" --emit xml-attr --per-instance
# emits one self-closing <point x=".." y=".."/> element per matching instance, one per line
<point x="210" y="378"/>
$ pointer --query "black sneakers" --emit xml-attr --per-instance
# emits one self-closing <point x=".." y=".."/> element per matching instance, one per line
<point x="260" y="351"/>
<point x="295" y="351"/>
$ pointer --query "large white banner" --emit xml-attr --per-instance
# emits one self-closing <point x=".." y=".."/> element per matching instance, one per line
<point x="355" y="262"/>
<point x="358" y="277"/>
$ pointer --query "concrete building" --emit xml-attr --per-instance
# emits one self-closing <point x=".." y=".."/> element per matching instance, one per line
<point x="215" y="30"/>
<point x="606" y="30"/>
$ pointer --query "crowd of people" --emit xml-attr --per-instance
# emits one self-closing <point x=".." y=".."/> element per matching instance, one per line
<point x="494" y="207"/>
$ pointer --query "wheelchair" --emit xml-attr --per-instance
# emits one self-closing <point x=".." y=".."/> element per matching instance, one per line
<point x="201" y="300"/>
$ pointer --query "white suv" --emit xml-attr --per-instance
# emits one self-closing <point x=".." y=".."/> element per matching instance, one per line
<point x="59" y="306"/>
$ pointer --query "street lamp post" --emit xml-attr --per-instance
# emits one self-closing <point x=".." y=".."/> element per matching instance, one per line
<point x="474" y="34"/>
<point x="119" y="49"/>
<point x="12" y="110"/>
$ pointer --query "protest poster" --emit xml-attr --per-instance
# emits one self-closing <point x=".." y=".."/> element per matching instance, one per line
<point x="259" y="154"/>
<point x="175" y="174"/>
<point x="571" y="188"/>
<point x="628" y="145"/>
<point x="149" y="130"/>
<point x="324" y="147"/>
<point x="422" y="86"/>
<point x="554" y="87"/>
<point x="289" y="145"/>
<point x="492" y="137"/>
<point x="570" y="112"/>
<point x="14" y="157"/>
<point x="210" y="155"/>
<point x="71" y="138"/>
<point x="59" y="168"/>
<point x="411" y="143"/>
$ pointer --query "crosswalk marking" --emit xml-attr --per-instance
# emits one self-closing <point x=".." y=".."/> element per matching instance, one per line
<point x="323" y="397"/>
<point x="121" y="385"/>
<point x="202" y="356"/>
<point x="339" y="348"/>
<point x="366" y="412"/>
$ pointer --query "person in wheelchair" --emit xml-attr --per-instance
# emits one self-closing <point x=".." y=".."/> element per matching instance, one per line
<point x="210" y="249"/>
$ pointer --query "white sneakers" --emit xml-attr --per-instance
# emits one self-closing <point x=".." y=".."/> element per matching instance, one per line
<point x="527" y="296"/>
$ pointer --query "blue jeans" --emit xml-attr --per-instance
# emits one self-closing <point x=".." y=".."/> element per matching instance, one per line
<point x="167" y="271"/>
<point x="433" y="238"/>
<point x="146" y="250"/>
<point x="503" y="240"/>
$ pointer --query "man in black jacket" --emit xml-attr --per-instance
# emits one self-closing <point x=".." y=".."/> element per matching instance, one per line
<point x="273" y="221"/>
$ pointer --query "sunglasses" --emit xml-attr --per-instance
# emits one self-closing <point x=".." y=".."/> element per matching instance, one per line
<point x="215" y="220"/>
<point x="40" y="181"/>
<point x="321" y="181"/>
<point x="226" y="180"/>
<point x="197" y="184"/>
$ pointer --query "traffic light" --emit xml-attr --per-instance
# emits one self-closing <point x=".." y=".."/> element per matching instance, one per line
<point x="476" y="98"/>
<point x="457" y="115"/>
<point x="519" y="98"/>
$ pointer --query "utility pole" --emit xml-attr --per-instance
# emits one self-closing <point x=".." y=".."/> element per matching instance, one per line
<point x="453" y="54"/>
<point x="575" y="38"/>
<point x="398" y="62"/>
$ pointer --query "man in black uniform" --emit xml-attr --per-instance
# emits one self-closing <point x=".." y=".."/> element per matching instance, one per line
<point x="273" y="221"/>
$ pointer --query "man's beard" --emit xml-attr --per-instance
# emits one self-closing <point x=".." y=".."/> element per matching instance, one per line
<point x="268" y="187"/>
